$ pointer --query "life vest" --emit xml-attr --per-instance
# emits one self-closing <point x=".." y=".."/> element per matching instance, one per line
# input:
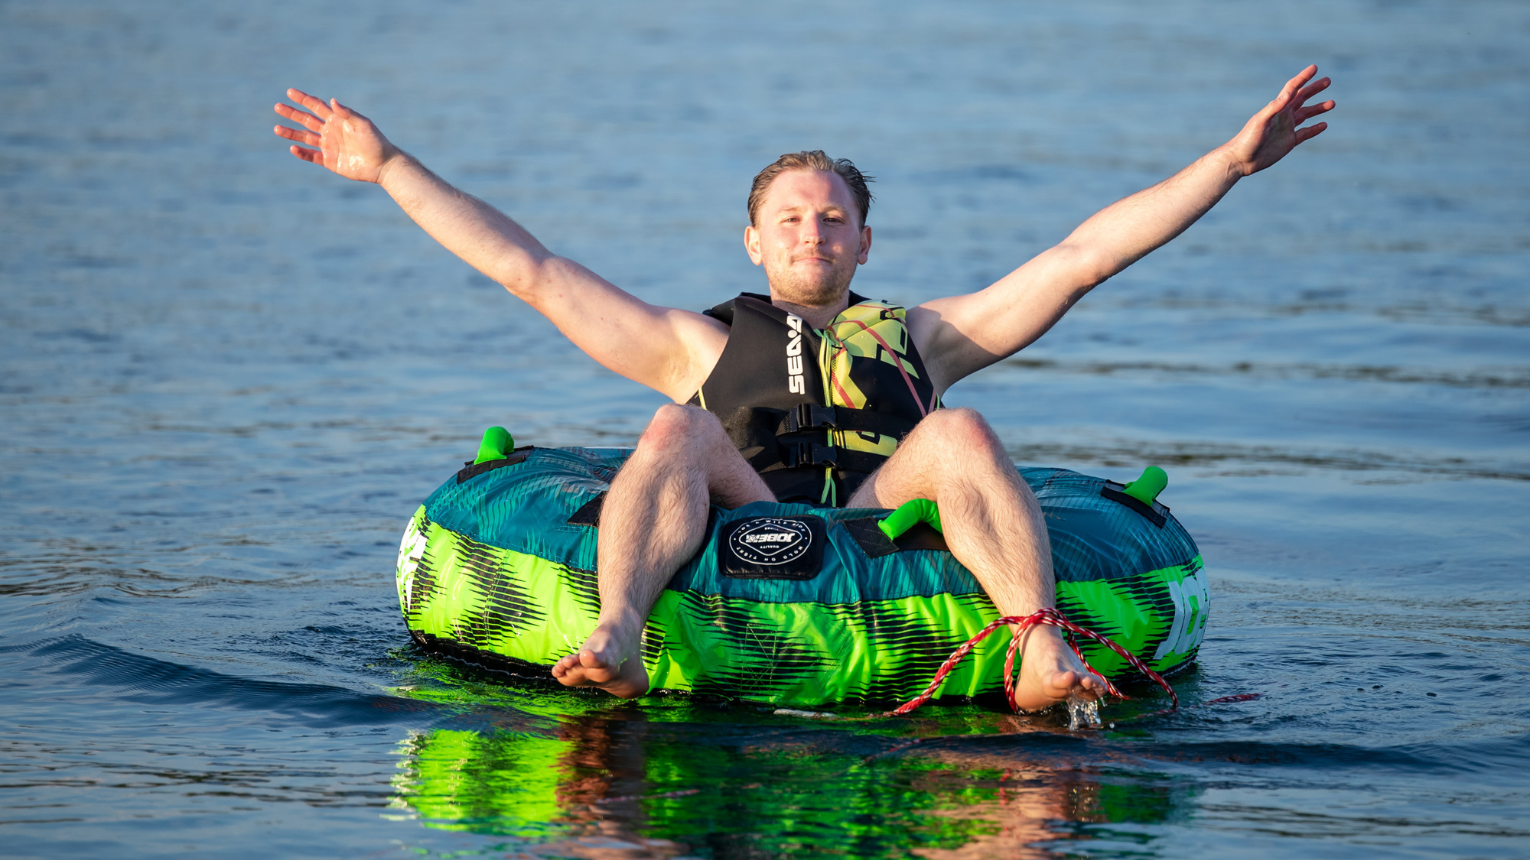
<point x="815" y="411"/>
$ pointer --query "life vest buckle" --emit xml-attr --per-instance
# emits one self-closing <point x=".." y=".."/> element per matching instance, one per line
<point x="795" y="454"/>
<point x="810" y="416"/>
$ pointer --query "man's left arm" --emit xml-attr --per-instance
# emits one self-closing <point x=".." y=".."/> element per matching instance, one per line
<point x="959" y="335"/>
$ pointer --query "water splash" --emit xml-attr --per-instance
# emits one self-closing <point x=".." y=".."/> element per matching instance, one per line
<point x="811" y="715"/>
<point x="1083" y="713"/>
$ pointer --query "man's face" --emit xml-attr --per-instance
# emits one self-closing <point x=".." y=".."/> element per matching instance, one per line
<point x="809" y="237"/>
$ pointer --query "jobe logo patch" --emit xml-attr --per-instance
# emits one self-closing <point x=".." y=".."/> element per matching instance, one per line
<point x="1192" y="600"/>
<point x="795" y="381"/>
<point x="771" y="540"/>
<point x="410" y="551"/>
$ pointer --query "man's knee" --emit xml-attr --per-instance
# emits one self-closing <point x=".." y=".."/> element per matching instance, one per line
<point x="961" y="430"/>
<point x="677" y="427"/>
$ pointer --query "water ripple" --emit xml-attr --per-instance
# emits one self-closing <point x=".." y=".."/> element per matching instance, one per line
<point x="1507" y="377"/>
<point x="139" y="678"/>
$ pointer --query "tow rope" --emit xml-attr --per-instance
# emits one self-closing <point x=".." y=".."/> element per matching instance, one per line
<point x="1047" y="616"/>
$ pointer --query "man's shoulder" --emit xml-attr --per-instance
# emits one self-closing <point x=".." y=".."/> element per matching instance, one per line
<point x="723" y="312"/>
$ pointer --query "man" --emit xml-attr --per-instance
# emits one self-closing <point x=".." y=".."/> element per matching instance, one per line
<point x="879" y="449"/>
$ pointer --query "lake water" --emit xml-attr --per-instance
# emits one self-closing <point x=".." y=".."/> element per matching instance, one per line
<point x="228" y="378"/>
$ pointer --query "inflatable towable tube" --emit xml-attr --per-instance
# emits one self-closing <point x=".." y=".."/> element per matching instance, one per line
<point x="785" y="603"/>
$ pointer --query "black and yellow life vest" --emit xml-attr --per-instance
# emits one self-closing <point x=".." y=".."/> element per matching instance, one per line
<point x="815" y="411"/>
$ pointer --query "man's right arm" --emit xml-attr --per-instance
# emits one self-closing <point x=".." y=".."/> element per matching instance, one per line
<point x="666" y="349"/>
<point x="959" y="335"/>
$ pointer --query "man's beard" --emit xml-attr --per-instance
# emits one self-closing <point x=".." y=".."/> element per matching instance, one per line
<point x="826" y="288"/>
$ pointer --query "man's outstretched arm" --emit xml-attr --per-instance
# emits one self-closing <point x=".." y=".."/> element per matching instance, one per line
<point x="962" y="334"/>
<point x="666" y="349"/>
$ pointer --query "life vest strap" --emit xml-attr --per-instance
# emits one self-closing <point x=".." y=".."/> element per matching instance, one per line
<point x="799" y="454"/>
<point x="774" y="439"/>
<point x="811" y="416"/>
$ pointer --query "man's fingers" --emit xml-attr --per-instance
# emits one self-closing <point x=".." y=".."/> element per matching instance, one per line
<point x="308" y="120"/>
<point x="307" y="137"/>
<point x="1283" y="98"/>
<point x="1310" y="111"/>
<point x="1315" y="87"/>
<point x="1310" y="132"/>
<point x="317" y="105"/>
<point x="1302" y="77"/>
<point x="310" y="155"/>
<point x="1292" y="86"/>
<point x="1311" y="90"/>
<point x="345" y="112"/>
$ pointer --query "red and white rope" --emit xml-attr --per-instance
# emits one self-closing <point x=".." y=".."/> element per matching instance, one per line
<point x="1048" y="616"/>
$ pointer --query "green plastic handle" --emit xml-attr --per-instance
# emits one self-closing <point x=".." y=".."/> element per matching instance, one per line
<point x="908" y="515"/>
<point x="1146" y="488"/>
<point x="496" y="443"/>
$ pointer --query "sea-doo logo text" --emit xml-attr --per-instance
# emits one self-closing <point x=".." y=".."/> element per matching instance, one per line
<point x="794" y="379"/>
<point x="771" y="540"/>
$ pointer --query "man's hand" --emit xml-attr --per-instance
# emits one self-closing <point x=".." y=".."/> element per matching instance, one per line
<point x="344" y="141"/>
<point x="962" y="334"/>
<point x="1276" y="130"/>
<point x="669" y="350"/>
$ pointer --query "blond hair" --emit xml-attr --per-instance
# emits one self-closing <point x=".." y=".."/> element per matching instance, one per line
<point x="813" y="159"/>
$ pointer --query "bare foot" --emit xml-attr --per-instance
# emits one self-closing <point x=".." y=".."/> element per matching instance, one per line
<point x="609" y="660"/>
<point x="1050" y="672"/>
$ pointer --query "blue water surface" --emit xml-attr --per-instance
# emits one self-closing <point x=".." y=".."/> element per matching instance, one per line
<point x="227" y="378"/>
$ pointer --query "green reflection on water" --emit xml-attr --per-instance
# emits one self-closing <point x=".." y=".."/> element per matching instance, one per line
<point x="501" y="783"/>
<point x="550" y="773"/>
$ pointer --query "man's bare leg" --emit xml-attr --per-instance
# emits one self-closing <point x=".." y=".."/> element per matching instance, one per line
<point x="653" y="520"/>
<point x="995" y="529"/>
